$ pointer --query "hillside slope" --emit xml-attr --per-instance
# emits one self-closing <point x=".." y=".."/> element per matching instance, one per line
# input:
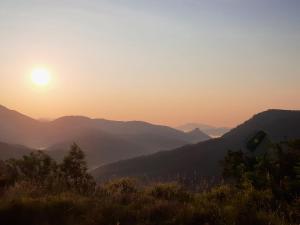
<point x="203" y="159"/>
<point x="103" y="141"/>
<point x="8" y="151"/>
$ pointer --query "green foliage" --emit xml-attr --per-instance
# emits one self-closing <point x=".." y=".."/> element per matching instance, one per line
<point x="73" y="172"/>
<point x="277" y="169"/>
<point x="234" y="165"/>
<point x="5" y="179"/>
<point x="54" y="210"/>
<point x="72" y="199"/>
<point x="170" y="191"/>
<point x="256" y="140"/>
<point x="143" y="205"/>
<point x="121" y="186"/>
<point x="41" y="170"/>
<point x="36" y="168"/>
<point x="297" y="171"/>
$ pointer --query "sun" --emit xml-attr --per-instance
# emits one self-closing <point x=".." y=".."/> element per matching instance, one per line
<point x="40" y="76"/>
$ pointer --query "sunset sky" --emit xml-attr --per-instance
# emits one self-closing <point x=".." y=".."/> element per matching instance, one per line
<point x="162" y="61"/>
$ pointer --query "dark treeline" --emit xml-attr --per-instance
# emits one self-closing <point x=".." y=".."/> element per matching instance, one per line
<point x="258" y="189"/>
<point x="41" y="171"/>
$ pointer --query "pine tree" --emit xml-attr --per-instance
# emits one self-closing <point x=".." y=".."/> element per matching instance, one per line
<point x="74" y="173"/>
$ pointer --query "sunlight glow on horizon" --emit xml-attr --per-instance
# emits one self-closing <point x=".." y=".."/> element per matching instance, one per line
<point x="166" y="62"/>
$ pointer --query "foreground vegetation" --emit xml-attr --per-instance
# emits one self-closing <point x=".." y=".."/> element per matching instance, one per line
<point x="259" y="189"/>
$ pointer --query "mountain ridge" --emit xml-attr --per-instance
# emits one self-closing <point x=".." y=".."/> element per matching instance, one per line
<point x="212" y="131"/>
<point x="112" y="140"/>
<point x="204" y="158"/>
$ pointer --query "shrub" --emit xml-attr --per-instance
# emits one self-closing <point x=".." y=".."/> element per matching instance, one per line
<point x="28" y="197"/>
<point x="170" y="191"/>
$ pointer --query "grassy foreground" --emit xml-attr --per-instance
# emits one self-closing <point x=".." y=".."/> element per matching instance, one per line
<point x="36" y="190"/>
<point x="125" y="202"/>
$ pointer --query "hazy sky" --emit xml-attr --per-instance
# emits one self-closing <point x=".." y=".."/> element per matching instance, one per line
<point x="163" y="61"/>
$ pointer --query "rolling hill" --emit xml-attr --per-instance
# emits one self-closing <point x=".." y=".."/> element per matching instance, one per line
<point x="103" y="141"/>
<point x="8" y="151"/>
<point x="203" y="159"/>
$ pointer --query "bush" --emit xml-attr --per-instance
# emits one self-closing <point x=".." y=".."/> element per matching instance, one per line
<point x="170" y="192"/>
<point x="28" y="196"/>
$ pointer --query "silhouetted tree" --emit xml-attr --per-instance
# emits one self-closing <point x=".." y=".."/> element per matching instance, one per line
<point x="277" y="168"/>
<point x="74" y="173"/>
<point x="234" y="165"/>
<point x="37" y="168"/>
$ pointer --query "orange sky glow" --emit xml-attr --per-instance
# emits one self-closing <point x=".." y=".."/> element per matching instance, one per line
<point x="166" y="62"/>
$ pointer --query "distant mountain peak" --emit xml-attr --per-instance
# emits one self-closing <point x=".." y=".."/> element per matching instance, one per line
<point x="195" y="131"/>
<point x="212" y="131"/>
<point x="72" y="118"/>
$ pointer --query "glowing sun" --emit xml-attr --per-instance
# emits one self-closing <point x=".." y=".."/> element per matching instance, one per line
<point x="40" y="76"/>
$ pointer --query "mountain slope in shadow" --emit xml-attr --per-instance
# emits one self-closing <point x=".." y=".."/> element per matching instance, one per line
<point x="203" y="159"/>
<point x="8" y="151"/>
